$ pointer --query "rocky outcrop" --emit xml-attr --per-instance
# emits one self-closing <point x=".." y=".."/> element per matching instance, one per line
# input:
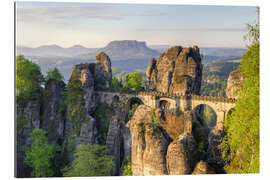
<point x="88" y="132"/>
<point x="149" y="144"/>
<point x="182" y="155"/>
<point x="178" y="70"/>
<point x="28" y="119"/>
<point x="53" y="119"/>
<point x="87" y="79"/>
<point x="214" y="153"/>
<point x="155" y="148"/>
<point x="102" y="72"/>
<point x="203" y="168"/>
<point x="234" y="84"/>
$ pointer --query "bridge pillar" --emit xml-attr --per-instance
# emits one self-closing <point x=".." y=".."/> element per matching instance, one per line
<point x="220" y="120"/>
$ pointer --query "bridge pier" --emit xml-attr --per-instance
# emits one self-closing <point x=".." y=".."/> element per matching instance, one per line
<point x="220" y="120"/>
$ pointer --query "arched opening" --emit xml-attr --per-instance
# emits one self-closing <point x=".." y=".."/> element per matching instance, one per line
<point x="115" y="101"/>
<point x="229" y="113"/>
<point x="204" y="121"/>
<point x="133" y="104"/>
<point x="164" y="105"/>
<point x="206" y="115"/>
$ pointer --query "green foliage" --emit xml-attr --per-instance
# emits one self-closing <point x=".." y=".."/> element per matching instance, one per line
<point x="40" y="154"/>
<point x="54" y="74"/>
<point x="75" y="103"/>
<point x="155" y="119"/>
<point x="132" y="110"/>
<point x="28" y="77"/>
<point x="241" y="144"/>
<point x="134" y="81"/>
<point x="253" y="34"/>
<point x="127" y="170"/>
<point x="20" y="124"/>
<point x="208" y="116"/>
<point x="90" y="160"/>
<point x="104" y="114"/>
<point x="70" y="144"/>
<point x="214" y="89"/>
<point x="115" y="84"/>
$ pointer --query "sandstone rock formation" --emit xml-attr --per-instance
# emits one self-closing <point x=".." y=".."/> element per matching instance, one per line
<point x="149" y="144"/>
<point x="182" y="155"/>
<point x="53" y="121"/>
<point x="102" y="72"/>
<point x="28" y="119"/>
<point x="87" y="79"/>
<point x="88" y="132"/>
<point x="234" y="84"/>
<point x="178" y="70"/>
<point x="203" y="168"/>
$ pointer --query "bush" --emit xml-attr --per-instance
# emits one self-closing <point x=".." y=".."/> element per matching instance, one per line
<point x="54" y="74"/>
<point x="127" y="170"/>
<point x="40" y="154"/>
<point x="115" y="84"/>
<point x="28" y="78"/>
<point x="134" y="81"/>
<point x="90" y="160"/>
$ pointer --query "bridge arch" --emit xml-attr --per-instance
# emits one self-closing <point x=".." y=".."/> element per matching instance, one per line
<point x="166" y="103"/>
<point x="206" y="115"/>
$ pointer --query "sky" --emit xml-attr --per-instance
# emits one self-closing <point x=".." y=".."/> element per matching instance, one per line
<point x="94" y="25"/>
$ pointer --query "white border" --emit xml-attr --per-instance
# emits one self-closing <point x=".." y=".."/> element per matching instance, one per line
<point x="7" y="86"/>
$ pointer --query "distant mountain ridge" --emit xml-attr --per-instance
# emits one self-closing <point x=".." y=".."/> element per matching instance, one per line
<point x="117" y="50"/>
<point x="54" y="51"/>
<point x="124" y="50"/>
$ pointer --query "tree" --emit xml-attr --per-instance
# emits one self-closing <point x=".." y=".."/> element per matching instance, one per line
<point x="54" y="74"/>
<point x="28" y="77"/>
<point x="134" y="81"/>
<point x="40" y="154"/>
<point x="75" y="102"/>
<point x="90" y="160"/>
<point x="115" y="83"/>
<point x="253" y="34"/>
<point x="241" y="145"/>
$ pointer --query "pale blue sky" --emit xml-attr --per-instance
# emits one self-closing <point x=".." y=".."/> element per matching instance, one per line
<point x="95" y="25"/>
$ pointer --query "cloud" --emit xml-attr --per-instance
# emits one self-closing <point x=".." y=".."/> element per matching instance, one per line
<point x="106" y="12"/>
<point x="196" y="29"/>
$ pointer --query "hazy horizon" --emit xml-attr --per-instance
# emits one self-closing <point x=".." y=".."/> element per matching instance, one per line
<point x="18" y="45"/>
<point x="94" y="25"/>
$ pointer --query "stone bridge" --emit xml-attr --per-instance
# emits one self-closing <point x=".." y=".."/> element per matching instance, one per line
<point x="173" y="102"/>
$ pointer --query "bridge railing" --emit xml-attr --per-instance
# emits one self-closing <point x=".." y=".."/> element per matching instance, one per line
<point x="193" y="96"/>
<point x="171" y="95"/>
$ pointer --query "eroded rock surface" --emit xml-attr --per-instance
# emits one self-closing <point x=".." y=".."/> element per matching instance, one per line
<point x="102" y="72"/>
<point x="178" y="70"/>
<point x="182" y="155"/>
<point x="149" y="144"/>
<point x="234" y="84"/>
<point x="203" y="167"/>
<point x="53" y="120"/>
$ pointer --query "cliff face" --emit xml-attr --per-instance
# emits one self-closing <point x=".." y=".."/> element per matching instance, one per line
<point x="177" y="70"/>
<point x="234" y="84"/>
<point x="149" y="144"/>
<point x="28" y="118"/>
<point x="101" y="71"/>
<point x="93" y="76"/>
<point x="53" y="120"/>
<point x="178" y="143"/>
<point x="154" y="152"/>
